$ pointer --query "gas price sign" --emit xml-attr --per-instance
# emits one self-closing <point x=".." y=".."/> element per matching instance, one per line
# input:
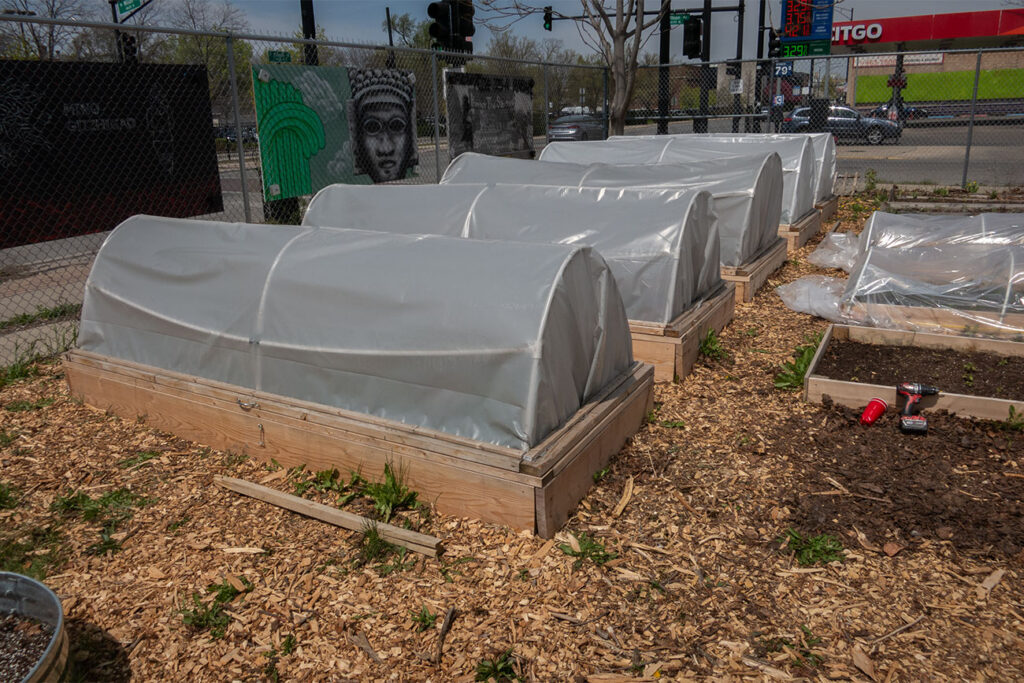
<point x="806" y="28"/>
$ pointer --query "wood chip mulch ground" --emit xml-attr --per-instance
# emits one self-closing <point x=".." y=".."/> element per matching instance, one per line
<point x="683" y="575"/>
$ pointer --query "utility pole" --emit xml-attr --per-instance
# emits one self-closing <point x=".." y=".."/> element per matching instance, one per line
<point x="701" y="125"/>
<point x="391" y="40"/>
<point x="309" y="33"/>
<point x="759" y="71"/>
<point x="736" y="108"/>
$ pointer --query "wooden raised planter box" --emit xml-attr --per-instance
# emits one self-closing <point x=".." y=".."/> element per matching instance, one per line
<point x="827" y="208"/>
<point x="749" y="277"/>
<point x="944" y="320"/>
<point x="673" y="349"/>
<point x="797" y="234"/>
<point x="535" y="490"/>
<point x="857" y="394"/>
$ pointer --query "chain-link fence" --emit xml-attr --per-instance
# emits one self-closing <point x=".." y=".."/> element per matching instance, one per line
<point x="98" y="123"/>
<point x="115" y="121"/>
<point x="934" y="120"/>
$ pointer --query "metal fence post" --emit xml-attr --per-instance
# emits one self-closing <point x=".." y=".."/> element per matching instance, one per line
<point x="970" y="124"/>
<point x="437" y="119"/>
<point x="547" y="106"/>
<point x="607" y="117"/>
<point x="238" y="128"/>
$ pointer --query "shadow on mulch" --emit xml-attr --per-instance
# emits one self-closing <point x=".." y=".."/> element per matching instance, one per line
<point x="951" y="484"/>
<point x="95" y="654"/>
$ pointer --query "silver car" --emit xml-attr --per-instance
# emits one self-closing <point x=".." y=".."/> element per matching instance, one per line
<point x="576" y="127"/>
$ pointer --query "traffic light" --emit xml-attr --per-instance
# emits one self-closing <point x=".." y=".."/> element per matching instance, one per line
<point x="462" y="25"/>
<point x="774" y="45"/>
<point x="693" y="29"/>
<point x="441" y="28"/>
<point x="129" y="49"/>
<point x="548" y="21"/>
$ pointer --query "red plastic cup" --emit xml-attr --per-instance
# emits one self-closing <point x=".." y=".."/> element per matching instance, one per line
<point x="873" y="411"/>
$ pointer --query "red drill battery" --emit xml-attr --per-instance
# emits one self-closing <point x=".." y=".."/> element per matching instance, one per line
<point x="913" y="424"/>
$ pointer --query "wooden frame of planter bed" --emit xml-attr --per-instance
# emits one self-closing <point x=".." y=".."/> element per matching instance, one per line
<point x="858" y="394"/>
<point x="535" y="490"/>
<point x="673" y="348"/>
<point x="827" y="208"/>
<point x="987" y="323"/>
<point x="797" y="234"/>
<point x="749" y="277"/>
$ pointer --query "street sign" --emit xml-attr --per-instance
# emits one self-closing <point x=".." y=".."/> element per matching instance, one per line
<point x="126" y="6"/>
<point x="779" y="100"/>
<point x="736" y="86"/>
<point x="279" y="56"/>
<point x="678" y="18"/>
<point x="783" y="69"/>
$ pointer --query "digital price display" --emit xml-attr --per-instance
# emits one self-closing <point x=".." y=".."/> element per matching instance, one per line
<point x="806" y="28"/>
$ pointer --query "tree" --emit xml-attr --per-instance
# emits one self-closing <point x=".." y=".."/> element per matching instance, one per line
<point x="612" y="28"/>
<point x="211" y="51"/>
<point x="25" y="40"/>
<point x="408" y="32"/>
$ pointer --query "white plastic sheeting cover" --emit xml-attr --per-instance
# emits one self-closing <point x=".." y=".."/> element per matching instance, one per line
<point x="894" y="230"/>
<point x="797" y="154"/>
<point x="962" y="277"/>
<point x="498" y="342"/>
<point x="747" y="196"/>
<point x="825" y="162"/>
<point x="662" y="245"/>
<point x="836" y="250"/>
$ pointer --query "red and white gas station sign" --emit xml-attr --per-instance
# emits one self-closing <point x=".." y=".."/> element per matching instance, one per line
<point x="929" y="27"/>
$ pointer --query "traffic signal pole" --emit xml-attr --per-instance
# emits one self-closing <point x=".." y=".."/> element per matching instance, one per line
<point x="701" y="125"/>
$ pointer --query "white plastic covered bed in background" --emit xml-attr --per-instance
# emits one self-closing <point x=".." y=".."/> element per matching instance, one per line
<point x="922" y="230"/>
<point x="797" y="154"/>
<point x="747" y="196"/>
<point x="825" y="163"/>
<point x="661" y="245"/>
<point x="893" y="230"/>
<point x="498" y="342"/>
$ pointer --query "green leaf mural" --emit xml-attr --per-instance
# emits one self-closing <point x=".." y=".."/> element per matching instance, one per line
<point x="290" y="134"/>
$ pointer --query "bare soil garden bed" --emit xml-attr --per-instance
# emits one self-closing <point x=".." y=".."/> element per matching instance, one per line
<point x="959" y="484"/>
<point x="971" y="372"/>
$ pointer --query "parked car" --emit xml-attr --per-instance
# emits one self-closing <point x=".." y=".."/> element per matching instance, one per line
<point x="576" y="127"/>
<point x="909" y="113"/>
<point x="845" y="123"/>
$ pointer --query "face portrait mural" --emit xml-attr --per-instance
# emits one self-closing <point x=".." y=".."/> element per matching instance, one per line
<point x="382" y="123"/>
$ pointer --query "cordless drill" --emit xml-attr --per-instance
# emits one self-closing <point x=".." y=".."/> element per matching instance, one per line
<point x="910" y="421"/>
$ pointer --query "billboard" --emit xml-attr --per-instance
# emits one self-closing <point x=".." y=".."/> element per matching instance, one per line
<point x="489" y="114"/>
<point x="320" y="125"/>
<point x="85" y="145"/>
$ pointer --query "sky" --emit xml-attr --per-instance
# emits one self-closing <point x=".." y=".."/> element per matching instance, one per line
<point x="360" y="21"/>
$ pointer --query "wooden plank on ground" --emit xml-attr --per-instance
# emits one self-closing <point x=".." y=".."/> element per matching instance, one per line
<point x="413" y="540"/>
<point x="749" y="277"/>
